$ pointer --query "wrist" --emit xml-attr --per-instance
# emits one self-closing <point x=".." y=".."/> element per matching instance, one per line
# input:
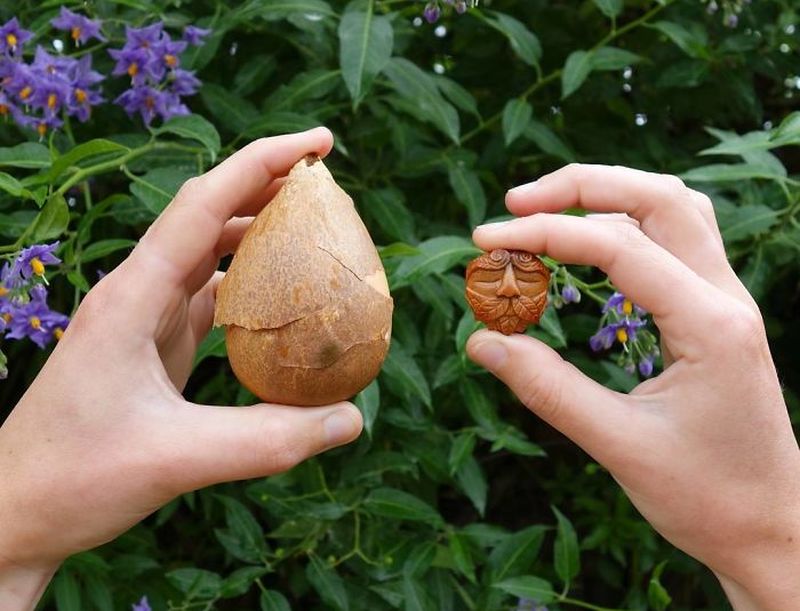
<point x="21" y="587"/>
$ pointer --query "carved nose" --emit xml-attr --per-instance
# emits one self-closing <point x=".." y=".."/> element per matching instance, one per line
<point x="508" y="287"/>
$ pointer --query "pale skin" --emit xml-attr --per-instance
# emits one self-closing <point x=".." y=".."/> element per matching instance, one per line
<point x="705" y="450"/>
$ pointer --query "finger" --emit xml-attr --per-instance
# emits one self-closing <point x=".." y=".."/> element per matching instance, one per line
<point x="598" y="419"/>
<point x="257" y="205"/>
<point x="182" y="237"/>
<point x="213" y="444"/>
<point x="673" y="216"/>
<point x="228" y="242"/>
<point x="646" y="273"/>
<point x="613" y="217"/>
<point x="201" y="308"/>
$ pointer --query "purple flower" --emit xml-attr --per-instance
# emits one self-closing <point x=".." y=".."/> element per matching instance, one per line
<point x="82" y="97"/>
<point x="142" y="605"/>
<point x="10" y="279"/>
<point x="136" y="63"/>
<point x="7" y="309"/>
<point x="432" y="12"/>
<point x="32" y="319"/>
<point x="461" y="7"/>
<point x="12" y="37"/>
<point x="148" y="102"/>
<point x="80" y="28"/>
<point x="570" y="294"/>
<point x="31" y="261"/>
<point x="604" y="338"/>
<point x="184" y="82"/>
<point x="646" y="366"/>
<point x="622" y="305"/>
<point x="194" y="35"/>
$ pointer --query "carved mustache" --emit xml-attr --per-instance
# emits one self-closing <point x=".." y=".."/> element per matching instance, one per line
<point x="505" y="312"/>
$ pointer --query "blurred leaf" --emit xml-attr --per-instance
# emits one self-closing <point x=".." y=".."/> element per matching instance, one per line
<point x="366" y="42"/>
<point x="13" y="225"/>
<point x="51" y="221"/>
<point x="527" y="586"/>
<point x="306" y="86"/>
<point x="67" y="592"/>
<point x="420" y="90"/>
<point x="98" y="592"/>
<point x="368" y="401"/>
<point x="566" y="552"/>
<point x="439" y="254"/>
<point x="457" y="94"/>
<point x="273" y="10"/>
<point x="241" y="580"/>
<point x="403" y="369"/>
<point x="755" y="274"/>
<point x="213" y="344"/>
<point x="279" y="122"/>
<point x="524" y="42"/>
<point x="613" y="58"/>
<point x="254" y="74"/>
<point x="723" y="172"/>
<point x="420" y="559"/>
<point x="158" y="186"/>
<point x="468" y="191"/>
<point x="690" y="42"/>
<point x="196" y="128"/>
<point x="82" y="152"/>
<point x="516" y="117"/>
<point x="10" y="185"/>
<point x="459" y="548"/>
<point x="414" y="596"/>
<point x="387" y="207"/>
<point x="472" y="481"/>
<point x="195" y="583"/>
<point x="657" y="596"/>
<point x="577" y="67"/>
<point x="231" y="111"/>
<point x="482" y="411"/>
<point x="29" y="155"/>
<point x="515" y="554"/>
<point x="548" y="141"/>
<point x="272" y="600"/>
<point x="610" y="8"/>
<point x="552" y="325"/>
<point x="461" y="449"/>
<point x="327" y="583"/>
<point x="98" y="250"/>
<point x="747" y="221"/>
<point x="393" y="503"/>
<point x="245" y="528"/>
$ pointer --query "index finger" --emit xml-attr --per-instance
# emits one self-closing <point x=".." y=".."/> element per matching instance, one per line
<point x="189" y="228"/>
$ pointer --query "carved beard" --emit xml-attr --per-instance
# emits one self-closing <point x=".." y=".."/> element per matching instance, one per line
<point x="506" y="314"/>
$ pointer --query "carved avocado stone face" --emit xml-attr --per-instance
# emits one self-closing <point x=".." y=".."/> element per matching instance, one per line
<point x="507" y="289"/>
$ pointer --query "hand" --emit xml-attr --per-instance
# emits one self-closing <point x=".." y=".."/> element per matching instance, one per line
<point x="103" y="437"/>
<point x="705" y="450"/>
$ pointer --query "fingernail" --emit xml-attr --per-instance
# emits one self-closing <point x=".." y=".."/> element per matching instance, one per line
<point x="490" y="353"/>
<point x="340" y="427"/>
<point x="492" y="226"/>
<point x="525" y="189"/>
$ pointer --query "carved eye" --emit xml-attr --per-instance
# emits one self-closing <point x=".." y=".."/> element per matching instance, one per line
<point x="499" y="255"/>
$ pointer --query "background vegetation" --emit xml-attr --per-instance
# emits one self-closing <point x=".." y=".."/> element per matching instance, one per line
<point x="455" y="497"/>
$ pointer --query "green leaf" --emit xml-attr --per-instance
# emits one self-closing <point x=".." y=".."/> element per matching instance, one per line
<point x="232" y="111"/>
<point x="747" y="221"/>
<point x="10" y="185"/>
<point x="158" y="186"/>
<point x="438" y="255"/>
<point x="272" y="600"/>
<point x="280" y="122"/>
<point x="424" y="101"/>
<point x="273" y="10"/>
<point x="528" y="586"/>
<point x="457" y="94"/>
<point x="610" y="8"/>
<point x="546" y="139"/>
<point x="311" y="85"/>
<point x="369" y="401"/>
<point x="566" y="551"/>
<point x="516" y="116"/>
<point x="28" y="155"/>
<point x="100" y="249"/>
<point x="365" y="46"/>
<point x="241" y="580"/>
<point x="755" y="274"/>
<point x="67" y="592"/>
<point x="82" y="152"/>
<point x="98" y="592"/>
<point x="327" y="583"/>
<point x="14" y="225"/>
<point x="524" y="42"/>
<point x="657" y="595"/>
<point x="414" y="596"/>
<point x="244" y="527"/>
<point x="397" y="249"/>
<point x="420" y="559"/>
<point x="195" y="583"/>
<point x="515" y="444"/>
<point x="472" y="482"/>
<point x="459" y="548"/>
<point x="577" y="67"/>
<point x="693" y="43"/>
<point x="725" y="172"/>
<point x="468" y="191"/>
<point x="403" y="369"/>
<point x="516" y="553"/>
<point x="478" y="405"/>
<point x="613" y="58"/>
<point x="461" y="450"/>
<point x="393" y="503"/>
<point x="253" y="74"/>
<point x="213" y="344"/>
<point x="387" y="207"/>
<point x="193" y="127"/>
<point x="731" y="143"/>
<point x="552" y="325"/>
<point x="51" y="221"/>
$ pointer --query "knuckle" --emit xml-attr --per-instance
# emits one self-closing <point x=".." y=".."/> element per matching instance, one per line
<point x="703" y="203"/>
<point x="744" y="327"/>
<point x="189" y="190"/>
<point x="281" y="452"/>
<point x="542" y="394"/>
<point x="673" y="184"/>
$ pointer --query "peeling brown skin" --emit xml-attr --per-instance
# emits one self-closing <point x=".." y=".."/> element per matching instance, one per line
<point x="507" y="289"/>
<point x="305" y="302"/>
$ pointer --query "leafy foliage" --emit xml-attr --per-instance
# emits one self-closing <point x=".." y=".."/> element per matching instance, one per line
<point x="445" y="501"/>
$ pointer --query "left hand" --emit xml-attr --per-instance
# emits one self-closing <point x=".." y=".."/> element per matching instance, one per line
<point x="103" y="437"/>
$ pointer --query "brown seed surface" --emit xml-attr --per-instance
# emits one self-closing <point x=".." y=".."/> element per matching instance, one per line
<point x="507" y="289"/>
<point x="305" y="302"/>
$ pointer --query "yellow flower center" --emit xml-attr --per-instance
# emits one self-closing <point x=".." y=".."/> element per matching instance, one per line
<point x="133" y="69"/>
<point x="627" y="307"/>
<point x="35" y="322"/>
<point x="149" y="102"/>
<point x="11" y="40"/>
<point x="622" y="335"/>
<point x="3" y="109"/>
<point x="41" y="129"/>
<point x="52" y="100"/>
<point x="170" y="60"/>
<point x="3" y="291"/>
<point x="37" y="266"/>
<point x="75" y="33"/>
<point x="26" y="92"/>
<point x="80" y="96"/>
<point x="7" y="317"/>
<point x="58" y="333"/>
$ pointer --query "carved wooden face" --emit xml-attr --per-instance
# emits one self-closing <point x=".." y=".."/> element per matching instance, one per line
<point x="507" y="289"/>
